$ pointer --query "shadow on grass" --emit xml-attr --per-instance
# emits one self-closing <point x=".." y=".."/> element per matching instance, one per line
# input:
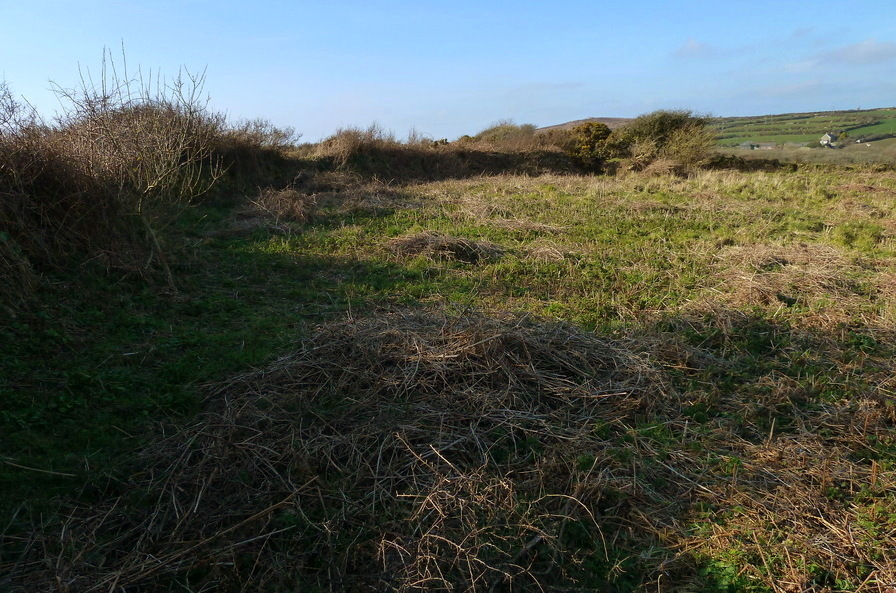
<point x="100" y="361"/>
<point x="411" y="446"/>
<point x="406" y="164"/>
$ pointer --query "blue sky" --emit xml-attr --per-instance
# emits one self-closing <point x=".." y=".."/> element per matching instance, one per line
<point x="450" y="68"/>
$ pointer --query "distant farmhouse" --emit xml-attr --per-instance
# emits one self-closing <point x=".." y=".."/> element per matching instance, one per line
<point x="829" y="139"/>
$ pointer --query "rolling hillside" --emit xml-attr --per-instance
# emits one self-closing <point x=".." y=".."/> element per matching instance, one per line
<point x="804" y="127"/>
<point x="611" y="122"/>
<point x="782" y="128"/>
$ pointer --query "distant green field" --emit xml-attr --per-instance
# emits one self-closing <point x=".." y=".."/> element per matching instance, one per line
<point x="778" y="139"/>
<point x="887" y="126"/>
<point x="803" y="127"/>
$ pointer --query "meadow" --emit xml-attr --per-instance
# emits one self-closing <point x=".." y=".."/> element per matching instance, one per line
<point x="804" y="127"/>
<point x="428" y="367"/>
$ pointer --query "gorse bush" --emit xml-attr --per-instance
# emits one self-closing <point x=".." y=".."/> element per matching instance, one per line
<point x="589" y="144"/>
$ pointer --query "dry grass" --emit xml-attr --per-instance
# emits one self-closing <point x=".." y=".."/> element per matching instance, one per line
<point x="803" y="510"/>
<point x="286" y="204"/>
<point x="387" y="453"/>
<point x="437" y="246"/>
<point x="376" y="154"/>
<point x="348" y="143"/>
<point x="546" y="251"/>
<point x="744" y="439"/>
<point x="419" y="451"/>
<point x="817" y="277"/>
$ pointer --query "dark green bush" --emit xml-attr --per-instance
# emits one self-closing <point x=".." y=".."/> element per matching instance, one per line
<point x="589" y="144"/>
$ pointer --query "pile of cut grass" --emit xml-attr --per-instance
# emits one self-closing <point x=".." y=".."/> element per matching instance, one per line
<point x="414" y="450"/>
<point x="404" y="451"/>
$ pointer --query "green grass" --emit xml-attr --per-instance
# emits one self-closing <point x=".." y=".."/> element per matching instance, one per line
<point x="763" y="295"/>
<point x="803" y="127"/>
<point x="886" y="126"/>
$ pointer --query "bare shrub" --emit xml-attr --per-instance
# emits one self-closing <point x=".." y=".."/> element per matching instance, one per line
<point x="51" y="209"/>
<point x="263" y="133"/>
<point x="147" y="141"/>
<point x="127" y="155"/>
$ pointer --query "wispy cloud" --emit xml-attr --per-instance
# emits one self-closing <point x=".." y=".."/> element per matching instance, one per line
<point x="793" y="90"/>
<point x="866" y="52"/>
<point x="694" y="49"/>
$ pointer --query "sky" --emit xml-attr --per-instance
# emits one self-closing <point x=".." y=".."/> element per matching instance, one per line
<point x="445" y="69"/>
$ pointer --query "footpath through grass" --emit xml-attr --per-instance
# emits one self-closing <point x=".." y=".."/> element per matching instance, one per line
<point x="733" y="431"/>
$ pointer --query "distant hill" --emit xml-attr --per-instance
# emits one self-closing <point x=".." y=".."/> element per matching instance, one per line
<point x="610" y="122"/>
<point x="782" y="128"/>
<point x="804" y="127"/>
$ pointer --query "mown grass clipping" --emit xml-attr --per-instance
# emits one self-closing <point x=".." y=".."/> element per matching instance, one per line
<point x="419" y="450"/>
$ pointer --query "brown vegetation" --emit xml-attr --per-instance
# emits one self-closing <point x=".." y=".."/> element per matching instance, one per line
<point x="439" y="246"/>
<point x="414" y="451"/>
<point x="385" y="450"/>
<point x="286" y="204"/>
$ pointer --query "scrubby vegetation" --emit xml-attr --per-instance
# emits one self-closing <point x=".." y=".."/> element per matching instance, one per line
<point x="662" y="141"/>
<point x="438" y="366"/>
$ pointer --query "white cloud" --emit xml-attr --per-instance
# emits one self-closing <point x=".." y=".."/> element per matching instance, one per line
<point x="866" y="52"/>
